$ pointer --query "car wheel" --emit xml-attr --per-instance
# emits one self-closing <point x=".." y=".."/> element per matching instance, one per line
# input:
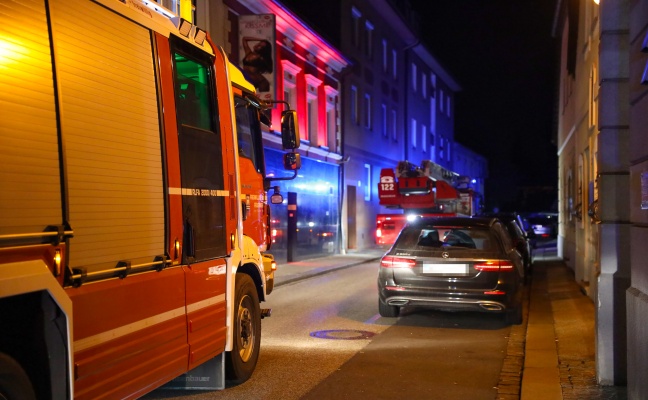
<point x="241" y="361"/>
<point x="14" y="382"/>
<point x="388" y="311"/>
<point x="514" y="315"/>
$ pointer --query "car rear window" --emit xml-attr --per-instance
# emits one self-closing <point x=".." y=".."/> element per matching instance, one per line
<point x="447" y="236"/>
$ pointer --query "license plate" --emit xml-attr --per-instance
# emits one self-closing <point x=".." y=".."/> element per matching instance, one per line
<point x="454" y="269"/>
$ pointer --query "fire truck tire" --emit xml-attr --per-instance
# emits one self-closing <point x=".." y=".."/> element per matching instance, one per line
<point x="241" y="361"/>
<point x="14" y="382"/>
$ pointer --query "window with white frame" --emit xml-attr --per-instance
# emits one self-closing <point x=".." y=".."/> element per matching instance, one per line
<point x="290" y="72"/>
<point x="367" y="196"/>
<point x="355" y="26"/>
<point x="312" y="102"/>
<point x="414" y="76"/>
<point x="369" y="28"/>
<point x="367" y="111"/>
<point x="383" y="112"/>
<point x="331" y="118"/>
<point x="413" y="132"/>
<point x="354" y="104"/>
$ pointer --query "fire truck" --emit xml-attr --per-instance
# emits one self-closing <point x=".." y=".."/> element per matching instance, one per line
<point x="133" y="211"/>
<point x="429" y="190"/>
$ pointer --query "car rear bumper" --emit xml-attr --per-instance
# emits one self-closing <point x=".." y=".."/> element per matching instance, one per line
<point x="456" y="301"/>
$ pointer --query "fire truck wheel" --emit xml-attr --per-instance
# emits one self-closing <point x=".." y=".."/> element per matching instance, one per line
<point x="242" y="360"/>
<point x="14" y="382"/>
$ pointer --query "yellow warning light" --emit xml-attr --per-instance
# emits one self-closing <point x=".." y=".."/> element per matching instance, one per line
<point x="57" y="262"/>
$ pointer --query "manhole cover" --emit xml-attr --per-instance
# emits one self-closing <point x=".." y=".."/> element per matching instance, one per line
<point x="343" y="334"/>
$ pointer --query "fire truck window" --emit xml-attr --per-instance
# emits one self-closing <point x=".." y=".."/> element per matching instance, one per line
<point x="192" y="93"/>
<point x="247" y="122"/>
<point x="201" y="162"/>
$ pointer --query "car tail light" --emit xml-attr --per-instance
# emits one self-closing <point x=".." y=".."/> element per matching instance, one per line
<point x="494" y="266"/>
<point x="397" y="262"/>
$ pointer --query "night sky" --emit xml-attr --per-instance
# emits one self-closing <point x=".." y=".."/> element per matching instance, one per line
<point x="502" y="54"/>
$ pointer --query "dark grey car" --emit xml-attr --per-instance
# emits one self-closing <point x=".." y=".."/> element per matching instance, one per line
<point x="452" y="264"/>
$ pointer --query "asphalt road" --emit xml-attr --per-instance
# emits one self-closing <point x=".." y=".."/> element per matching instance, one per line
<point x="325" y="340"/>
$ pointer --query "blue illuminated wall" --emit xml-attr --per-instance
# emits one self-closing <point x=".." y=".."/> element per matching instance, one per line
<point x="316" y="186"/>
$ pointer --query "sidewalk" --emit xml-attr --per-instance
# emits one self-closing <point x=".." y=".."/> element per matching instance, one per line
<point x="550" y="356"/>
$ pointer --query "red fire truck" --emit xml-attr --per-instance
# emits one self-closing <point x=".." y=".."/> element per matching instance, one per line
<point x="133" y="208"/>
<point x="429" y="191"/>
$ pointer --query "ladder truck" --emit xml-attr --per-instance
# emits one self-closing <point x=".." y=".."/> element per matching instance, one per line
<point x="134" y="222"/>
<point x="429" y="190"/>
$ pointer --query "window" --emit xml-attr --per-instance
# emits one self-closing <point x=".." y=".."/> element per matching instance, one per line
<point x="423" y="138"/>
<point x="355" y="27"/>
<point x="441" y="144"/>
<point x="593" y="97"/>
<point x="383" y="112"/>
<point x="448" y="106"/>
<point x="312" y="108"/>
<point x="424" y="85"/>
<point x="369" y="40"/>
<point x="441" y="99"/>
<point x="354" y="105"/>
<point x="331" y="118"/>
<point x="394" y="121"/>
<point x="248" y="128"/>
<point x="312" y="119"/>
<point x="394" y="64"/>
<point x="413" y="128"/>
<point x="201" y="163"/>
<point x="432" y="146"/>
<point x="367" y="196"/>
<point x="385" y="57"/>
<point x="290" y="72"/>
<point x="367" y="111"/>
<point x="414" y="77"/>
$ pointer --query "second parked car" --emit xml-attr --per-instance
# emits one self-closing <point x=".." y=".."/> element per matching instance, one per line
<point x="452" y="264"/>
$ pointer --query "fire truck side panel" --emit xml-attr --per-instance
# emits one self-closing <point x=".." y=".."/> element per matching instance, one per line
<point x="29" y="138"/>
<point x="136" y="335"/>
<point x="251" y="165"/>
<point x="122" y="184"/>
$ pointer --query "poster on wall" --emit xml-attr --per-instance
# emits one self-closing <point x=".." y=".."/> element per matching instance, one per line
<point x="257" y="50"/>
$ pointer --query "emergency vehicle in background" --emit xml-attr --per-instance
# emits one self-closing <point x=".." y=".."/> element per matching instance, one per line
<point x="133" y="203"/>
<point x="429" y="190"/>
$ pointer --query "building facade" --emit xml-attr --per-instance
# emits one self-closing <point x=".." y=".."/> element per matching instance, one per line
<point x="304" y="74"/>
<point x="369" y="98"/>
<point x="603" y="175"/>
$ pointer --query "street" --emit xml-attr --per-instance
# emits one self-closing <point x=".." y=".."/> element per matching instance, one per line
<point x="325" y="340"/>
